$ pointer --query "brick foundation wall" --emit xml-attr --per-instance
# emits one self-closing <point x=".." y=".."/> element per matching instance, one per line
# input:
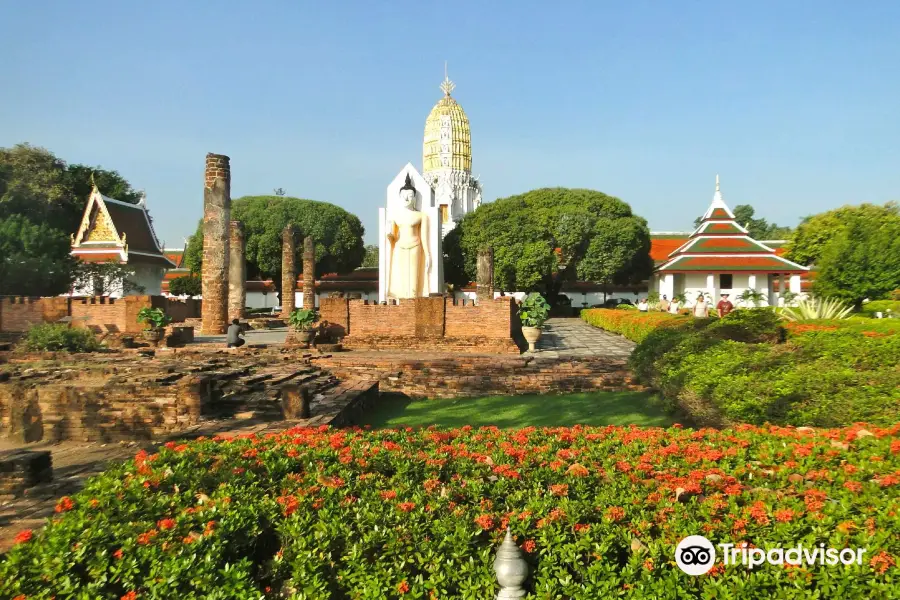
<point x="435" y="323"/>
<point x="19" y="314"/>
<point x="473" y="376"/>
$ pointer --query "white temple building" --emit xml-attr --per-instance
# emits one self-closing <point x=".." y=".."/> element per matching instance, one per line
<point x="447" y="160"/>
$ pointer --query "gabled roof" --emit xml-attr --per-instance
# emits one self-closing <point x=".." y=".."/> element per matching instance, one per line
<point x="115" y="230"/>
<point x="721" y="244"/>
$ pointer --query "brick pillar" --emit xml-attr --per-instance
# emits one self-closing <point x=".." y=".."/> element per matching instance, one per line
<point x="309" y="273"/>
<point x="288" y="271"/>
<point x="237" y="271"/>
<point x="216" y="217"/>
<point x="484" y="280"/>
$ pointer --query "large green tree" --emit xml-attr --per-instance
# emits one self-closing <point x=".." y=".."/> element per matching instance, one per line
<point x="862" y="260"/>
<point x="338" y="235"/>
<point x="808" y="241"/>
<point x="759" y="229"/>
<point x="547" y="236"/>
<point x="371" y="258"/>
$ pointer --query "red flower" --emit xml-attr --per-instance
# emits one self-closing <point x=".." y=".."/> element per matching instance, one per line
<point x="784" y="515"/>
<point x="129" y="596"/>
<point x="403" y="587"/>
<point x="406" y="506"/>
<point x="881" y="562"/>
<point x="165" y="524"/>
<point x="529" y="546"/>
<point x="145" y="538"/>
<point x="24" y="536"/>
<point x="561" y="489"/>
<point x="65" y="504"/>
<point x="485" y="522"/>
<point x="615" y="513"/>
<point x="853" y="486"/>
<point x="577" y="470"/>
<point x="118" y="554"/>
<point x="388" y="494"/>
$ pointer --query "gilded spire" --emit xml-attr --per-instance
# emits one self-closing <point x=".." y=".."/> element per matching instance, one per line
<point x="447" y="85"/>
<point x="717" y="182"/>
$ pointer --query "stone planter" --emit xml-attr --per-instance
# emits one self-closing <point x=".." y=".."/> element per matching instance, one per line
<point x="305" y="336"/>
<point x="532" y="335"/>
<point x="153" y="335"/>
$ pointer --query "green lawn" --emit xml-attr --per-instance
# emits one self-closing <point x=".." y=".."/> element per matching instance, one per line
<point x="595" y="408"/>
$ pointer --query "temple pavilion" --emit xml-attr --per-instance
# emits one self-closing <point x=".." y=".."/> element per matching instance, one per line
<point x="122" y="233"/>
<point x="720" y="257"/>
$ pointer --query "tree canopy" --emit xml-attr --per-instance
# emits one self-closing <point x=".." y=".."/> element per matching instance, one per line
<point x="807" y="242"/>
<point x="371" y="258"/>
<point x="758" y="229"/>
<point x="546" y="236"/>
<point x="41" y="202"/>
<point x="338" y="235"/>
<point x="189" y="285"/>
<point x="862" y="259"/>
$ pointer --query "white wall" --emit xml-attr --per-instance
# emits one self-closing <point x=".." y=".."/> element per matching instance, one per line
<point x="692" y="284"/>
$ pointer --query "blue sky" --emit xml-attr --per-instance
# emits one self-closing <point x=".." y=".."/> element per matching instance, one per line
<point x="794" y="103"/>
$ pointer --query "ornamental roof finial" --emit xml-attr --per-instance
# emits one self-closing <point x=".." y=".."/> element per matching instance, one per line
<point x="447" y="86"/>
<point x="717" y="182"/>
<point x="93" y="183"/>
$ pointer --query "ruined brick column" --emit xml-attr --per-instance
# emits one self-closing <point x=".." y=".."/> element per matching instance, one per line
<point x="309" y="273"/>
<point x="288" y="271"/>
<point x="484" y="279"/>
<point x="216" y="217"/>
<point x="237" y="272"/>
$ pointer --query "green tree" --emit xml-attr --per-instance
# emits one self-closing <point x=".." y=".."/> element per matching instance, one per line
<point x="544" y="237"/>
<point x="371" y="258"/>
<point x="862" y="260"/>
<point x="807" y="242"/>
<point x="34" y="259"/>
<point x="758" y="229"/>
<point x="338" y="235"/>
<point x="189" y="285"/>
<point x="106" y="277"/>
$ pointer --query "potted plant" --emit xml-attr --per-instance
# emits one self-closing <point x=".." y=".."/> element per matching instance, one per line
<point x="533" y="311"/>
<point x="301" y="320"/>
<point x="155" y="321"/>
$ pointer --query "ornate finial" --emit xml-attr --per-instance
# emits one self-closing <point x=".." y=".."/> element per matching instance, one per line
<point x="510" y="568"/>
<point x="93" y="183"/>
<point x="447" y="86"/>
<point x="717" y="182"/>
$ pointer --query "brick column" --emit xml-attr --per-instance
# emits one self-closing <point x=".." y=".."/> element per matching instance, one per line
<point x="288" y="271"/>
<point x="309" y="273"/>
<point x="237" y="271"/>
<point x="216" y="216"/>
<point x="484" y="280"/>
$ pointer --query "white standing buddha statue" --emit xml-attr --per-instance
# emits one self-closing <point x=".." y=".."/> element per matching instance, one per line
<point x="409" y="262"/>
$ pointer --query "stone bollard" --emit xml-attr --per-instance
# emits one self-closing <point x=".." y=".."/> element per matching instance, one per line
<point x="295" y="402"/>
<point x="510" y="568"/>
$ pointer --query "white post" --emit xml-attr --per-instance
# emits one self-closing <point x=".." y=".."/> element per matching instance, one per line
<point x="667" y="286"/>
<point x="795" y="283"/>
<point x="382" y="255"/>
<point x="711" y="285"/>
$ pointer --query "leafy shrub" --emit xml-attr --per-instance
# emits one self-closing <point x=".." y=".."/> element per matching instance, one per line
<point x="534" y="310"/>
<point x="882" y="306"/>
<point x="54" y="337"/>
<point x="751" y="297"/>
<point x="814" y="308"/>
<point x="828" y="373"/>
<point x="634" y="325"/>
<point x="189" y="285"/>
<point x="324" y="513"/>
<point x="153" y="318"/>
<point x="749" y="325"/>
<point x="302" y="319"/>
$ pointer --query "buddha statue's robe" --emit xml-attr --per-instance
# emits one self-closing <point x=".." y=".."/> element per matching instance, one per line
<point x="407" y="277"/>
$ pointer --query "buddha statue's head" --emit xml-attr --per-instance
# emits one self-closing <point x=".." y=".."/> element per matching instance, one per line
<point x="408" y="194"/>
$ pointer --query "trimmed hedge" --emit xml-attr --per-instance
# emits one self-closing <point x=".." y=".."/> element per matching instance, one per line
<point x="55" y="337"/>
<point x="870" y="308"/>
<point x="633" y="324"/>
<point x="746" y="368"/>
<point x="324" y="513"/>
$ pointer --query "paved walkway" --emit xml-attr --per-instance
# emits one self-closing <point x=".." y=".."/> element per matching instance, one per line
<point x="574" y="337"/>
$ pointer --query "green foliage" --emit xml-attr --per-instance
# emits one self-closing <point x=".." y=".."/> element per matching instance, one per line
<point x="108" y="276"/>
<point x="827" y="374"/>
<point x="331" y="513"/>
<point x="814" y="308"/>
<point x="749" y="325"/>
<point x="189" y="285"/>
<point x="534" y="310"/>
<point x="789" y="297"/>
<point x="632" y="324"/>
<point x="653" y="298"/>
<point x="302" y="319"/>
<point x="371" y="258"/>
<point x="338" y="235"/>
<point x="55" y="337"/>
<point x="546" y="236"/>
<point x="862" y="261"/>
<point x="751" y="297"/>
<point x="153" y="318"/>
<point x="808" y="241"/>
<point x="758" y="229"/>
<point x="882" y="306"/>
<point x="34" y="258"/>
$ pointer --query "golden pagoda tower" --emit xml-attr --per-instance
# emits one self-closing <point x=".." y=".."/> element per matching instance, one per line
<point x="447" y="159"/>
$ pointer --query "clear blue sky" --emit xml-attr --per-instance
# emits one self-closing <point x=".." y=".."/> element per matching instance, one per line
<point x="794" y="104"/>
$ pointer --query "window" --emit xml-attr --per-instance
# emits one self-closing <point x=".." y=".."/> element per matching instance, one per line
<point x="726" y="281"/>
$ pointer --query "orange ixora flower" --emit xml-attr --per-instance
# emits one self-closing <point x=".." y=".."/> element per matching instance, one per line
<point x="485" y="521"/>
<point x="65" y="504"/>
<point x="165" y="524"/>
<point x="130" y="596"/>
<point x="881" y="562"/>
<point x="24" y="536"/>
<point x="388" y="494"/>
<point x="403" y="587"/>
<point x="560" y="489"/>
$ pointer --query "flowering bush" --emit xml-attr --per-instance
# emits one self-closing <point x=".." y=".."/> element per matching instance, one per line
<point x="325" y="513"/>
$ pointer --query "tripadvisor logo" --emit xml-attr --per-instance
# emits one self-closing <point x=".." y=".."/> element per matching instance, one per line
<point x="696" y="555"/>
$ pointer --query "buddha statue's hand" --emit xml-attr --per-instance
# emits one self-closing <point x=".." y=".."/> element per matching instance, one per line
<point x="391" y="238"/>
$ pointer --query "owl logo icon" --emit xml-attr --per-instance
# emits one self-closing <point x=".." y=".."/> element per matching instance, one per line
<point x="695" y="555"/>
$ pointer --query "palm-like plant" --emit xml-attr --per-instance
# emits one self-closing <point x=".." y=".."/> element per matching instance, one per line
<point x="812" y="308"/>
<point x="751" y="296"/>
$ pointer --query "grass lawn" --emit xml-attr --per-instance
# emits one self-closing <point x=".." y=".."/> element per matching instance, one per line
<point x="594" y="408"/>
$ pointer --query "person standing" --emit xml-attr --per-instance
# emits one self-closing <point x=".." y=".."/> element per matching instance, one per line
<point x="643" y="306"/>
<point x="724" y="306"/>
<point x="701" y="308"/>
<point x="673" y="306"/>
<point x="664" y="304"/>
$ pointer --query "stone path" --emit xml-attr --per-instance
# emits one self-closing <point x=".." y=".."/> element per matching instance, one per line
<point x="573" y="337"/>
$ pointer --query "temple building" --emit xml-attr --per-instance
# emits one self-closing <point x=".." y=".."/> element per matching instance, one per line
<point x="122" y="233"/>
<point x="720" y="257"/>
<point x="447" y="160"/>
